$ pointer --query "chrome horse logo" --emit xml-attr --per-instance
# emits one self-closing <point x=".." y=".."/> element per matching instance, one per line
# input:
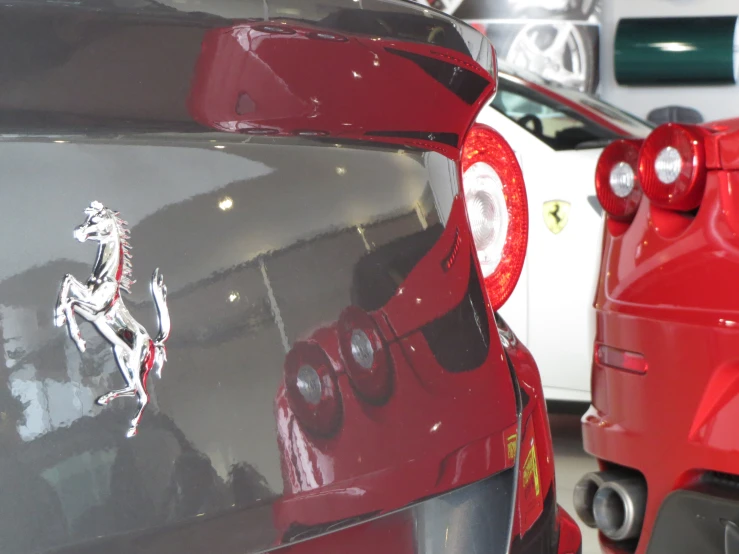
<point x="99" y="301"/>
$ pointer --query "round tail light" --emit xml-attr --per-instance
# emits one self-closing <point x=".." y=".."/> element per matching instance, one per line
<point x="365" y="355"/>
<point x="617" y="181"/>
<point x="495" y="198"/>
<point x="672" y="166"/>
<point x="312" y="389"/>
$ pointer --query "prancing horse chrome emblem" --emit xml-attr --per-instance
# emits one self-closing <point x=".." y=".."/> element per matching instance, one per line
<point x="99" y="301"/>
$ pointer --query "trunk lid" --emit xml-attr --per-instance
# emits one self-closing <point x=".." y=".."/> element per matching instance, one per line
<point x="271" y="192"/>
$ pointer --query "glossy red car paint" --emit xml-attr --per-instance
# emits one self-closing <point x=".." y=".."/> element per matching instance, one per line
<point x="445" y="416"/>
<point x="441" y="430"/>
<point x="667" y="292"/>
<point x="270" y="80"/>
<point x="450" y="459"/>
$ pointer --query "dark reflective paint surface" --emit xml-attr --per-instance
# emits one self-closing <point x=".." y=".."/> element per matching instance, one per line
<point x="264" y="242"/>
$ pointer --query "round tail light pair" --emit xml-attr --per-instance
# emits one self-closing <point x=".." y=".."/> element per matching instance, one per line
<point x="310" y="377"/>
<point x="669" y="167"/>
<point x="617" y="182"/>
<point x="497" y="210"/>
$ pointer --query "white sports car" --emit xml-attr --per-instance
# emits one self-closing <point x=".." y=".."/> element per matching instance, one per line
<point x="558" y="135"/>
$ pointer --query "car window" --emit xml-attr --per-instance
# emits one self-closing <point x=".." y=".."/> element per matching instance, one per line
<point x="635" y="126"/>
<point x="559" y="126"/>
<point x="628" y="122"/>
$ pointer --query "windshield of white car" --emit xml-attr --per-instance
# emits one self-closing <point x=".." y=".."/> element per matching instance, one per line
<point x="561" y="126"/>
<point x="631" y="124"/>
<point x="597" y="143"/>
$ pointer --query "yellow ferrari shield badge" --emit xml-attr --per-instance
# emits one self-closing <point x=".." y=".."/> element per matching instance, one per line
<point x="556" y="215"/>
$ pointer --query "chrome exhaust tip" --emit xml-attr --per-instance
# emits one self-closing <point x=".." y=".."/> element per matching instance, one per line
<point x="586" y="488"/>
<point x="618" y="508"/>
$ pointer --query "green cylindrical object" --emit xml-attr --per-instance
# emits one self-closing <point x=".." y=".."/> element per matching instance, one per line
<point x="680" y="50"/>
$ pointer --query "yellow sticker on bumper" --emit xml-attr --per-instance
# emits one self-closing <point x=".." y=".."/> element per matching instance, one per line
<point x="511" y="444"/>
<point x="531" y="470"/>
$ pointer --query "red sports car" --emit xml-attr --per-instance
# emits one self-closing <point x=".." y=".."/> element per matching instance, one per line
<point x="665" y="407"/>
<point x="328" y="237"/>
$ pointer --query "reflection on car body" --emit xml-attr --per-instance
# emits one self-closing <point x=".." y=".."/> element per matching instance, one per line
<point x="269" y="241"/>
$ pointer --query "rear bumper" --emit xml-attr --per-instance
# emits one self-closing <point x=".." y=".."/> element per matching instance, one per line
<point x="676" y="422"/>
<point x="697" y="520"/>
<point x="471" y="519"/>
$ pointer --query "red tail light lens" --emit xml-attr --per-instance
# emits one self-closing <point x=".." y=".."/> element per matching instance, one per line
<point x="672" y="166"/>
<point x="312" y="390"/>
<point x="497" y="210"/>
<point x="365" y="355"/>
<point x="617" y="181"/>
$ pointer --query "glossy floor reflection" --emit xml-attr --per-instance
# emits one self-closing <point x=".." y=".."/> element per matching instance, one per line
<point x="571" y="463"/>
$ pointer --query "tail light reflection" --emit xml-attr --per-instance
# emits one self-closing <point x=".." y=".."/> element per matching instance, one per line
<point x="312" y="389"/>
<point x="365" y="355"/>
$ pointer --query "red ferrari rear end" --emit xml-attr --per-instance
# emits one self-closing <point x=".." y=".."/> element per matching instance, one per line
<point x="663" y="420"/>
<point x="335" y="238"/>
